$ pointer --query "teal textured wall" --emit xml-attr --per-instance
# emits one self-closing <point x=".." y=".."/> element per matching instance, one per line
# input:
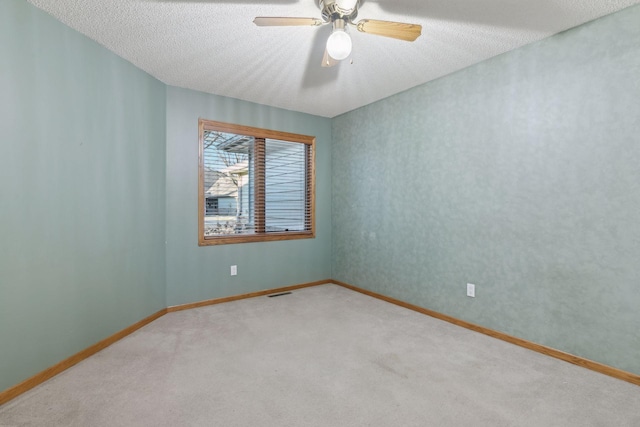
<point x="520" y="174"/>
<point x="82" y="184"/>
<point x="196" y="273"/>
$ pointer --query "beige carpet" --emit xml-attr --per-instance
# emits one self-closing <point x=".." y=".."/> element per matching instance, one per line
<point x="322" y="356"/>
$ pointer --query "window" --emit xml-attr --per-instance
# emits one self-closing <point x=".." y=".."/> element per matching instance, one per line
<point x="254" y="184"/>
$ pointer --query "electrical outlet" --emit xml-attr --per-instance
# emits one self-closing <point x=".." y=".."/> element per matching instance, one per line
<point x="234" y="270"/>
<point x="471" y="290"/>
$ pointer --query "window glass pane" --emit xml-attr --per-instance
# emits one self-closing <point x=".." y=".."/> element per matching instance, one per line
<point x="285" y="186"/>
<point x="228" y="184"/>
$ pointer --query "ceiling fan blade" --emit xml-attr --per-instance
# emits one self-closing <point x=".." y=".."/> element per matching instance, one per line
<point x="327" y="60"/>
<point x="396" y="30"/>
<point x="267" y="21"/>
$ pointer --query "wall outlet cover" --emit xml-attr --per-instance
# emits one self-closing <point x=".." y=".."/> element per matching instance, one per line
<point x="471" y="290"/>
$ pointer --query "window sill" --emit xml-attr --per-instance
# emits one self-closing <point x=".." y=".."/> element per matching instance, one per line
<point x="266" y="237"/>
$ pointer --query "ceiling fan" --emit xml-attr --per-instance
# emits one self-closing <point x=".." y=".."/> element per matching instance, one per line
<point x="340" y="14"/>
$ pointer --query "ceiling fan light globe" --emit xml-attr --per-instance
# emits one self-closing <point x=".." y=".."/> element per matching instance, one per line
<point x="339" y="45"/>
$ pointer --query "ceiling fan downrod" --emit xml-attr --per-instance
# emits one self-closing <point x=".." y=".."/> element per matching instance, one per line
<point x="346" y="10"/>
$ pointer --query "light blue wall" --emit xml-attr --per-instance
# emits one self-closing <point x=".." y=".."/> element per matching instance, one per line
<point x="85" y="196"/>
<point x="82" y="180"/>
<point x="520" y="174"/>
<point x="196" y="273"/>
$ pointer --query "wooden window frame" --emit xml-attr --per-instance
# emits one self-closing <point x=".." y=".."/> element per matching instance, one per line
<point x="258" y="133"/>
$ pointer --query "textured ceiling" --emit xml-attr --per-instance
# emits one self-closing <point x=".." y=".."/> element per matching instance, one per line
<point x="213" y="45"/>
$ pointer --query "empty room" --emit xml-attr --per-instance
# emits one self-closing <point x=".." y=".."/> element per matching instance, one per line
<point x="319" y="213"/>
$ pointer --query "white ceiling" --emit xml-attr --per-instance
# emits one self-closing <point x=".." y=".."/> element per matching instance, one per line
<point x="213" y="46"/>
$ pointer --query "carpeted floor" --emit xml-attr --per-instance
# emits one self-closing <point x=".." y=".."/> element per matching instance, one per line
<point x="322" y="356"/>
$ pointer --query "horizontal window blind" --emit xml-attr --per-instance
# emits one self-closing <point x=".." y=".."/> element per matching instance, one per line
<point x="287" y="205"/>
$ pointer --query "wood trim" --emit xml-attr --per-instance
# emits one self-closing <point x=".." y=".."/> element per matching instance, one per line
<point x="248" y="238"/>
<point x="256" y="132"/>
<point x="260" y="135"/>
<point x="312" y="186"/>
<point x="65" y="364"/>
<point x="201" y="199"/>
<point x="567" y="357"/>
<point x="259" y="181"/>
<point x="214" y="301"/>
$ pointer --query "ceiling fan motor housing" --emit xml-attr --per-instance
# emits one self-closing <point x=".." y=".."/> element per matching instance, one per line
<point x="331" y="11"/>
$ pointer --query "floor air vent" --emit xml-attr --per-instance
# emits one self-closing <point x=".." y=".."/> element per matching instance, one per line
<point x="279" y="295"/>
